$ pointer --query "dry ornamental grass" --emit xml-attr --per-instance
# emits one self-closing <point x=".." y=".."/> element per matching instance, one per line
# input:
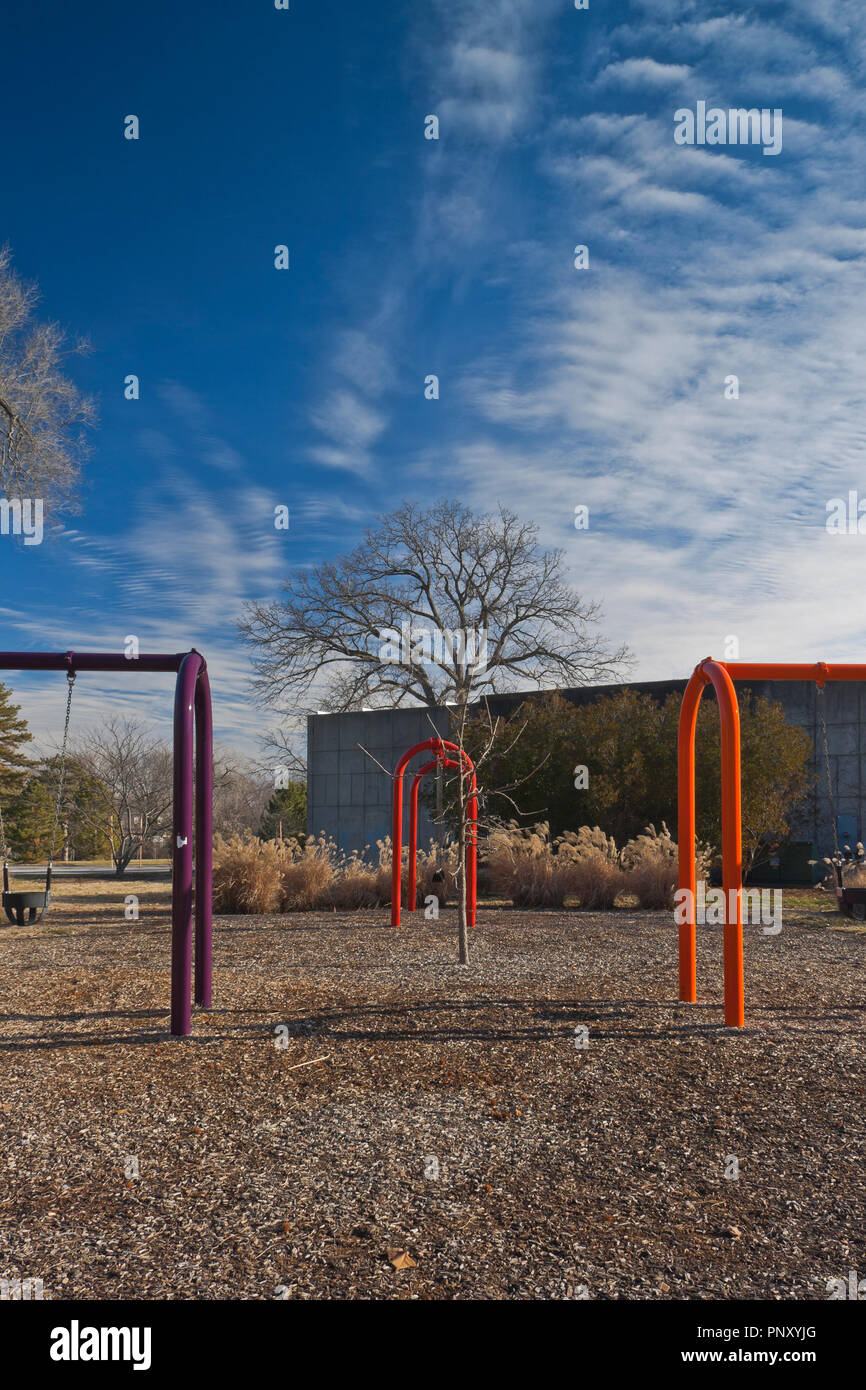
<point x="252" y="875"/>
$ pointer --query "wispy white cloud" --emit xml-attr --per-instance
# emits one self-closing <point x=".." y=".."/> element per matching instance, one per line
<point x="643" y="72"/>
<point x="351" y="426"/>
<point x="708" y="513"/>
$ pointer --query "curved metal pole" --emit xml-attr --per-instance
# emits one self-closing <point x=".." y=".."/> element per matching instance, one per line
<point x="472" y="852"/>
<point x="181" y="886"/>
<point x="203" y="840"/>
<point x="686" y="830"/>
<point x="192" y="700"/>
<point x="397" y="822"/>
<point x="413" y="824"/>
<point x="732" y="841"/>
<point x="413" y="833"/>
<point x="440" y="745"/>
<point x="732" y="857"/>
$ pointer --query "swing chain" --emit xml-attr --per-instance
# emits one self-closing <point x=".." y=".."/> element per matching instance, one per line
<point x="70" y="677"/>
<point x="828" y="774"/>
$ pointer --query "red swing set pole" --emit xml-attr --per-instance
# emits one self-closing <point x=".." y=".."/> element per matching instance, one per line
<point x="441" y="747"/>
<point x="413" y="824"/>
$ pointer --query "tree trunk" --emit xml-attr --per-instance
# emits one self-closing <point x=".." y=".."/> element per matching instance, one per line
<point x="121" y="860"/>
<point x="463" y="932"/>
<point x="440" y="827"/>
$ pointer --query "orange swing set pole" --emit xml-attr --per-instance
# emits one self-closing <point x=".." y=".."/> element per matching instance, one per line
<point x="721" y="675"/>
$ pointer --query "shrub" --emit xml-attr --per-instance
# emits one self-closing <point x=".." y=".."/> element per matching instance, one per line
<point x="259" y="876"/>
<point x="523" y="864"/>
<point x="307" y="874"/>
<point x="596" y="876"/>
<point x="651" y="864"/>
<point x="650" y="861"/>
<point x="428" y="863"/>
<point x="247" y="874"/>
<point x="628" y="742"/>
<point x="533" y="870"/>
<point x="853" y="870"/>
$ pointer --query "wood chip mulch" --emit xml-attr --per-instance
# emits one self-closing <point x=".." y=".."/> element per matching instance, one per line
<point x="361" y="1117"/>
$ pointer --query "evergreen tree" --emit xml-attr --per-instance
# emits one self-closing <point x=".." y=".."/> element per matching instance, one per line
<point x="84" y="801"/>
<point x="29" y="821"/>
<point x="289" y="807"/>
<point x="13" y="764"/>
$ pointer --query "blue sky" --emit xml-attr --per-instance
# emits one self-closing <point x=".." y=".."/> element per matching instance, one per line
<point x="559" y="387"/>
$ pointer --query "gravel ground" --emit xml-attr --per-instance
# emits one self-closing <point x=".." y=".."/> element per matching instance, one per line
<point x="446" y="1113"/>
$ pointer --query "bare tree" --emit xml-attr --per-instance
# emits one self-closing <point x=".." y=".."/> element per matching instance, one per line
<point x="437" y="605"/>
<point x="133" y="774"/>
<point x="241" y="793"/>
<point x="43" y="416"/>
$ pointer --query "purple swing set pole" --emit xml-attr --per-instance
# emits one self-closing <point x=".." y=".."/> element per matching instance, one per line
<point x="203" y="839"/>
<point x="181" y="873"/>
<point x="192" y="710"/>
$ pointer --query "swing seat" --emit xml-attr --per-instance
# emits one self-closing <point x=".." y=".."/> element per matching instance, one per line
<point x="35" y="905"/>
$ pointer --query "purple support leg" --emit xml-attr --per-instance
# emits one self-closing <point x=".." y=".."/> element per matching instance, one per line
<point x="181" y="889"/>
<point x="203" y="839"/>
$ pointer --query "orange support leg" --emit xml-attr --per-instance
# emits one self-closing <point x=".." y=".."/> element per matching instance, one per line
<point x="732" y="856"/>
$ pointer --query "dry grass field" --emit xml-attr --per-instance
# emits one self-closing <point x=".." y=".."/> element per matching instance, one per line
<point x="360" y="1117"/>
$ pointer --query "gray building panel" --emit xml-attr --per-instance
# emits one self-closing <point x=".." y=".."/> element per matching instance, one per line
<point x="327" y="761"/>
<point x="327" y="735"/>
<point x="353" y="760"/>
<point x="847" y="777"/>
<point x="843" y="739"/>
<point x="376" y="789"/>
<point x="348" y="795"/>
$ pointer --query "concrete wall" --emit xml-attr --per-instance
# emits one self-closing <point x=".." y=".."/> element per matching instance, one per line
<point x="845" y="716"/>
<point x="349" y="797"/>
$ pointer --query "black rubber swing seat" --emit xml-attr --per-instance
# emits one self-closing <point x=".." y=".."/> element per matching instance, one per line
<point x="34" y="905"/>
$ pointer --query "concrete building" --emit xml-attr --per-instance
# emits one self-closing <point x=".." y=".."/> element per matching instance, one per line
<point x="349" y="796"/>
